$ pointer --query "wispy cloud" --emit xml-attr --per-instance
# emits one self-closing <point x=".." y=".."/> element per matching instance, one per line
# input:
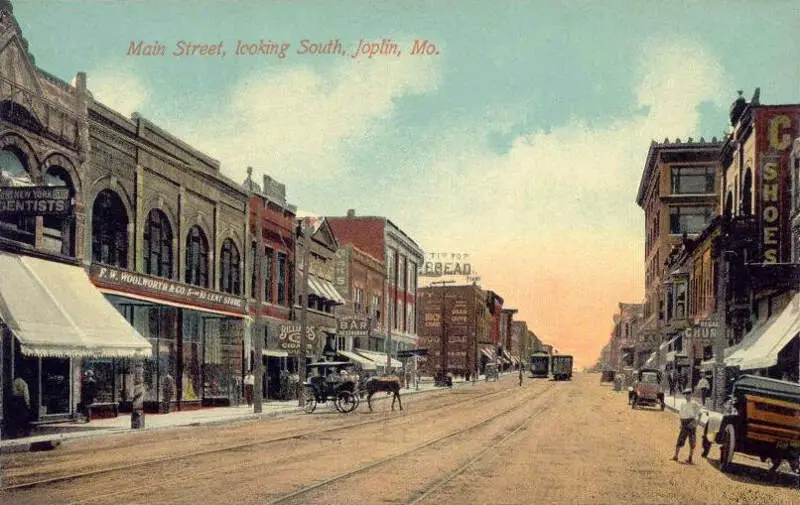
<point x="304" y="123"/>
<point x="118" y="86"/>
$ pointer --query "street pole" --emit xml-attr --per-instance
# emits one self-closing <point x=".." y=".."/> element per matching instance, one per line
<point x="475" y="343"/>
<point x="137" y="405"/>
<point x="390" y="297"/>
<point x="719" y="378"/>
<point x="258" y="332"/>
<point x="301" y="354"/>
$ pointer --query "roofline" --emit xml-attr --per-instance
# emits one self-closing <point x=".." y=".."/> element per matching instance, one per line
<point x="657" y="148"/>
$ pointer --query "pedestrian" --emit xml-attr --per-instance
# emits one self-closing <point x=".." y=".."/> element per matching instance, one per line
<point x="520" y="377"/>
<point x="671" y="381"/>
<point x="249" y="387"/>
<point x="688" y="414"/>
<point x="168" y="389"/>
<point x="705" y="388"/>
<point x="88" y="395"/>
<point x="19" y="409"/>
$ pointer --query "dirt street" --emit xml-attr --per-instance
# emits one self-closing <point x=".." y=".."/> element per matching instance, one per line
<point x="494" y="443"/>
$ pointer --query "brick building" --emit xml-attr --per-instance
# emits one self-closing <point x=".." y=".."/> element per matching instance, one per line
<point x="383" y="240"/>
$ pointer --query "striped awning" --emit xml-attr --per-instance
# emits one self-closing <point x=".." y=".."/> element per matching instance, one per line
<point x="324" y="289"/>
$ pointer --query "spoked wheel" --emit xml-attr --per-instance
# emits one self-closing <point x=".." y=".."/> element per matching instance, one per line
<point x="310" y="400"/>
<point x="728" y="447"/>
<point x="346" y="402"/>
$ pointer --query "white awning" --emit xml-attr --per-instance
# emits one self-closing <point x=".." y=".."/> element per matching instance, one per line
<point x="651" y="361"/>
<point x="324" y="289"/>
<point x="489" y="352"/>
<point x="275" y="353"/>
<point x="365" y="363"/>
<point x="762" y="351"/>
<point x="378" y="358"/>
<point x="53" y="309"/>
<point x="668" y="343"/>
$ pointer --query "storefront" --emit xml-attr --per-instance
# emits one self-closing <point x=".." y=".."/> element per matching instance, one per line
<point x="196" y="336"/>
<point x="52" y="319"/>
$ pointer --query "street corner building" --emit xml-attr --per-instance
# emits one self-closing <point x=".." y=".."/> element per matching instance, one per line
<point x="53" y="319"/>
<point x="118" y="243"/>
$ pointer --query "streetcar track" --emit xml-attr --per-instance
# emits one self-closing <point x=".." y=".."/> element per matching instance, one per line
<point x="337" y="478"/>
<point x="204" y="452"/>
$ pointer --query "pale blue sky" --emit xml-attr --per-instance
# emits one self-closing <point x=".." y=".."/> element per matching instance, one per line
<point x="521" y="143"/>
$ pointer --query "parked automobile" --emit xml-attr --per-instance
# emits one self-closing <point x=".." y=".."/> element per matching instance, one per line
<point x="762" y="418"/>
<point x="647" y="390"/>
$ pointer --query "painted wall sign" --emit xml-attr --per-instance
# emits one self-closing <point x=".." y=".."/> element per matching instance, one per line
<point x="289" y="338"/>
<point x="157" y="287"/>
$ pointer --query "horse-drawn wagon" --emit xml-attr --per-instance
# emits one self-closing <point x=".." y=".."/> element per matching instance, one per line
<point x="762" y="418"/>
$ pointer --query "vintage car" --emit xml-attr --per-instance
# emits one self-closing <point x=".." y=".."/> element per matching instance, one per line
<point x="761" y="418"/>
<point x="647" y="389"/>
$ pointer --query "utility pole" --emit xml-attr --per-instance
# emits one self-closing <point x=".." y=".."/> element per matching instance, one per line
<point x="258" y="333"/>
<point x="301" y="354"/>
<point x="475" y="342"/>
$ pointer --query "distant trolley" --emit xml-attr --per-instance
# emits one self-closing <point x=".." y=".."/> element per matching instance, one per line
<point x="540" y="365"/>
<point x="561" y="365"/>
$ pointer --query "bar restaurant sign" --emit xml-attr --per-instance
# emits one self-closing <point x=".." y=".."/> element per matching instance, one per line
<point x="35" y="201"/>
<point x="135" y="283"/>
<point x="352" y="327"/>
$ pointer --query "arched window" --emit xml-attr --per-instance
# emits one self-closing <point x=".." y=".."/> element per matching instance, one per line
<point x="13" y="174"/>
<point x="109" y="230"/>
<point x="229" y="272"/>
<point x="157" y="245"/>
<point x="58" y="232"/>
<point x="729" y="204"/>
<point x="747" y="194"/>
<point x="196" y="258"/>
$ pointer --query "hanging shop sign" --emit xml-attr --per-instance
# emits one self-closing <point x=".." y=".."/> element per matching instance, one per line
<point x="289" y="338"/>
<point x="353" y="327"/>
<point x="35" y="201"/>
<point x="110" y="278"/>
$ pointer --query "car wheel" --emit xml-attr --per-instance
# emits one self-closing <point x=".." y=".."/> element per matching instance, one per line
<point x="728" y="448"/>
<point x="346" y="402"/>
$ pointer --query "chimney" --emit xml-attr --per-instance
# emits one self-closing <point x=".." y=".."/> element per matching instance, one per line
<point x="351" y="212"/>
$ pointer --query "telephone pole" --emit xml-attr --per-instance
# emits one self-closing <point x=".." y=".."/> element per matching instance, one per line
<point x="301" y="353"/>
<point x="258" y="331"/>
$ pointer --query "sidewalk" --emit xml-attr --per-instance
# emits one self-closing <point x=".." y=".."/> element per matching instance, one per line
<point x="49" y="436"/>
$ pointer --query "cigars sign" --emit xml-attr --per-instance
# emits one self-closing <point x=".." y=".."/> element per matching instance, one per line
<point x="135" y="283"/>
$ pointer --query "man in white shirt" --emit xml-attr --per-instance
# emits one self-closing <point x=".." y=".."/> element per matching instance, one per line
<point x="689" y="413"/>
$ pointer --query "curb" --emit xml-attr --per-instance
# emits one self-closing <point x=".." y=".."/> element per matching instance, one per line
<point x="47" y="443"/>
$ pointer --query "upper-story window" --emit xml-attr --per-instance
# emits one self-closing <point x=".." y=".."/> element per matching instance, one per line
<point x="268" y="267"/>
<point x="14" y="173"/>
<point x="390" y="266"/>
<point x="157" y="245"/>
<point x="196" y="272"/>
<point x="229" y="268"/>
<point x="680" y="300"/>
<point x="689" y="219"/>
<point x="693" y="180"/>
<point x="282" y="275"/>
<point x="747" y="194"/>
<point x="109" y="230"/>
<point x="58" y="232"/>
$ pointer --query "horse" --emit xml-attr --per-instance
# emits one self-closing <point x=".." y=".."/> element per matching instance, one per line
<point x="390" y="385"/>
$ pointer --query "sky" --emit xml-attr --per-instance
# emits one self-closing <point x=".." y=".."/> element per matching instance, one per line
<point x="520" y="139"/>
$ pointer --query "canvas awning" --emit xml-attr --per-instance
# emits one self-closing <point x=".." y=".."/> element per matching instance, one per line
<point x="762" y="349"/>
<point x="54" y="310"/>
<point x="324" y="289"/>
<point x="378" y="358"/>
<point x="366" y="364"/>
<point x="669" y="342"/>
<point x="651" y="361"/>
<point x="490" y="353"/>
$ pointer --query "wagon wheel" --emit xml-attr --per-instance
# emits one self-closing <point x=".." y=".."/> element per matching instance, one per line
<point x="346" y="402"/>
<point x="310" y="399"/>
<point x="727" y="448"/>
